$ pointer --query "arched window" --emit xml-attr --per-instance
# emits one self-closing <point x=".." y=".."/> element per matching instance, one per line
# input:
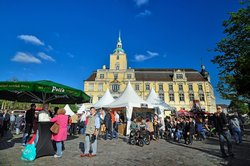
<point x="117" y="66"/>
<point x="115" y="87"/>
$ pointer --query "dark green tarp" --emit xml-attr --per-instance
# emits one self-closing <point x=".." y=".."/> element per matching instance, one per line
<point x="41" y="92"/>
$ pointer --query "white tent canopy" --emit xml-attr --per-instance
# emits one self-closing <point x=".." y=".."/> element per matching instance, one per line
<point x="81" y="109"/>
<point x="156" y="101"/>
<point x="129" y="99"/>
<point x="106" y="99"/>
<point x="68" y="110"/>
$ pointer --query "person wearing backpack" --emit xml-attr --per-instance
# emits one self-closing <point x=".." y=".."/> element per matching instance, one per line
<point x="221" y="125"/>
<point x="236" y="131"/>
<point x="92" y="130"/>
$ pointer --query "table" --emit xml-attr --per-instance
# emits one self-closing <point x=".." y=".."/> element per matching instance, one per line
<point x="44" y="146"/>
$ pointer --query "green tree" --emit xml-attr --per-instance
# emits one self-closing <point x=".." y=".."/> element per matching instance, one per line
<point x="234" y="56"/>
<point x="239" y="106"/>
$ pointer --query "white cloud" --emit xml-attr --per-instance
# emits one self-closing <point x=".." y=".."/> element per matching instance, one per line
<point x="25" y="58"/>
<point x="141" y="57"/>
<point x="70" y="55"/>
<point x="31" y="39"/>
<point x="141" y="2"/>
<point x="49" y="48"/>
<point x="144" y="13"/>
<point x="46" y="57"/>
<point x="153" y="54"/>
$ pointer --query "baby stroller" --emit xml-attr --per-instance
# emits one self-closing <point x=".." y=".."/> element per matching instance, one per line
<point x="139" y="137"/>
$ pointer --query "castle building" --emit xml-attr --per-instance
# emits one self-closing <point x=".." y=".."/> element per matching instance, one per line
<point x="178" y="87"/>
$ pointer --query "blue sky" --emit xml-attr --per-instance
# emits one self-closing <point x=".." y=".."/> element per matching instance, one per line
<point x="65" y="41"/>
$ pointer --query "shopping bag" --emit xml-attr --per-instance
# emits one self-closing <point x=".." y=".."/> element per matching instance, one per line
<point x="55" y="128"/>
<point x="29" y="152"/>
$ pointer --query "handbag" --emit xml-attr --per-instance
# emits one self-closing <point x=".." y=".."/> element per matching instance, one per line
<point x="54" y="128"/>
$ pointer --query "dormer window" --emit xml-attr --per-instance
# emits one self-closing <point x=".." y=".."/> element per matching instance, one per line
<point x="129" y="76"/>
<point x="179" y="76"/>
<point x="101" y="76"/>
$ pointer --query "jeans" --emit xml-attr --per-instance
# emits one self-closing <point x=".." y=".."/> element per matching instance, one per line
<point x="26" y="135"/>
<point x="115" y="131"/>
<point x="108" y="131"/>
<point x="225" y="136"/>
<point x="17" y="131"/>
<point x="88" y="146"/>
<point x="156" y="131"/>
<point x="73" y="128"/>
<point x="12" y="125"/>
<point x="201" y="135"/>
<point x="37" y="137"/>
<point x="237" y="135"/>
<point x="59" y="148"/>
<point x="178" y="135"/>
<point x="83" y="129"/>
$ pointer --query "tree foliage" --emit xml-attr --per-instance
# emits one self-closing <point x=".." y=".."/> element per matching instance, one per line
<point x="239" y="106"/>
<point x="234" y="56"/>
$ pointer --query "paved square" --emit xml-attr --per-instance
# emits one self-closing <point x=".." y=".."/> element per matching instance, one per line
<point x="118" y="152"/>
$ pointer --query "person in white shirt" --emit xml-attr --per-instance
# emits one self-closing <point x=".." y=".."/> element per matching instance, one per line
<point x="117" y="120"/>
<point x="43" y="115"/>
<point x="83" y="123"/>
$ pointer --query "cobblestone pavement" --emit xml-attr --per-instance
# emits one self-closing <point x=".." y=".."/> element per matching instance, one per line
<point x="118" y="152"/>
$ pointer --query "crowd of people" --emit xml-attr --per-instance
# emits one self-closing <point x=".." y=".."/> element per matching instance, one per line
<point x="104" y="123"/>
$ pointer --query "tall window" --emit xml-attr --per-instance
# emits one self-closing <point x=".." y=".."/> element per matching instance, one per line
<point x="170" y="87"/>
<point x="129" y="76"/>
<point x="200" y="87"/>
<point x="161" y="95"/>
<point x="91" y="86"/>
<point x="100" y="86"/>
<point x="161" y="87"/>
<point x="181" y="97"/>
<point x="180" y="87"/>
<point x="117" y="67"/>
<point x="115" y="76"/>
<point x="115" y="87"/>
<point x="191" y="97"/>
<point x="179" y="76"/>
<point x="171" y="97"/>
<point x="101" y="76"/>
<point x="190" y="87"/>
<point x="147" y="87"/>
<point x="202" y="97"/>
<point x="90" y="99"/>
<point x="137" y="87"/>
<point x="117" y="57"/>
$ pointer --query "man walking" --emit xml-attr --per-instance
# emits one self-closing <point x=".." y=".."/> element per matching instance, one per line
<point x="29" y="119"/>
<point x="92" y="130"/>
<point x="6" y="121"/>
<point x="221" y="125"/>
<point x="12" y="121"/>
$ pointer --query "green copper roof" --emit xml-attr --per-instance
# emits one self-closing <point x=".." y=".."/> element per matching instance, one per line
<point x="119" y="50"/>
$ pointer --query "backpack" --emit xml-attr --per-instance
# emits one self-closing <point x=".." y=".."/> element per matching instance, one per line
<point x="29" y="152"/>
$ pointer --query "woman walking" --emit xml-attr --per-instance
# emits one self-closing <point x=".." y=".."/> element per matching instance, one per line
<point x="62" y="120"/>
